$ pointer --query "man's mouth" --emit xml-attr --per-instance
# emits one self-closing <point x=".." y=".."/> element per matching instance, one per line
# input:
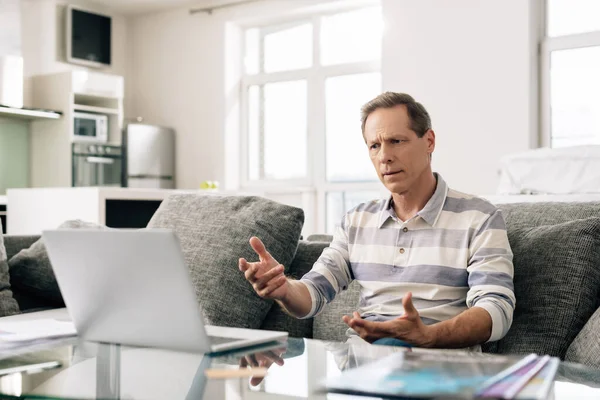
<point x="391" y="173"/>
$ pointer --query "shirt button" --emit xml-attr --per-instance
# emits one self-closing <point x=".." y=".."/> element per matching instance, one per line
<point x="401" y="251"/>
<point x="405" y="230"/>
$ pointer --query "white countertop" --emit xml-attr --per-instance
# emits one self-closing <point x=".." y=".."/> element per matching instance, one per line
<point x="3" y="200"/>
<point x="115" y="193"/>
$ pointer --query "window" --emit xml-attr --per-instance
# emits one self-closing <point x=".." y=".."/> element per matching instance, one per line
<point x="303" y="85"/>
<point x="570" y="64"/>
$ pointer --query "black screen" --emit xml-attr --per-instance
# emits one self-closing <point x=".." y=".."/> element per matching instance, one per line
<point x="90" y="37"/>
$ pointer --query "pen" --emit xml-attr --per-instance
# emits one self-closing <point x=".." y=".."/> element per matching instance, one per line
<point x="30" y="368"/>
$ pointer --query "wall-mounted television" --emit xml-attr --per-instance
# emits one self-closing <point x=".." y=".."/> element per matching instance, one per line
<point x="88" y="37"/>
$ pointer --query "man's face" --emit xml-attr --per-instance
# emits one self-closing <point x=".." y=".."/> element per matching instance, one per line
<point x="399" y="156"/>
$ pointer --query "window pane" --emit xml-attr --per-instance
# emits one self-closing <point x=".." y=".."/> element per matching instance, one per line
<point x="567" y="17"/>
<point x="352" y="36"/>
<point x="288" y="49"/>
<point x="285" y="130"/>
<point x="254" y="154"/>
<point x="252" y="53"/>
<point x="346" y="152"/>
<point x="574" y="88"/>
<point x="338" y="203"/>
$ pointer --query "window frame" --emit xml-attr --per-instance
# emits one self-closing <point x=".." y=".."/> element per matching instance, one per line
<point x="315" y="184"/>
<point x="548" y="45"/>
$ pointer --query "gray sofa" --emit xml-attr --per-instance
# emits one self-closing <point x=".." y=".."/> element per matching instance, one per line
<point x="557" y="284"/>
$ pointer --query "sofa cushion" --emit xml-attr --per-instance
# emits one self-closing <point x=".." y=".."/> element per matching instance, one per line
<point x="557" y="285"/>
<point x="8" y="305"/>
<point x="585" y="349"/>
<point x="214" y="232"/>
<point x="519" y="215"/>
<point x="16" y="243"/>
<point x="31" y="273"/>
<point x="277" y="319"/>
<point x="329" y="324"/>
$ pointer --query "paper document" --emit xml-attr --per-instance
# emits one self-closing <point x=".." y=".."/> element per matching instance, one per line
<point x="19" y="331"/>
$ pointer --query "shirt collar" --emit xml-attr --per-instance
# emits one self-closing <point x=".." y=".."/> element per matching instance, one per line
<point x="429" y="213"/>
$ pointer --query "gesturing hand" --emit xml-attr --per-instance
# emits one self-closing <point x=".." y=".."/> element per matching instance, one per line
<point x="408" y="327"/>
<point x="262" y="359"/>
<point x="266" y="275"/>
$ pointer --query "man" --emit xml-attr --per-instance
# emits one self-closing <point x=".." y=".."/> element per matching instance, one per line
<point x="434" y="265"/>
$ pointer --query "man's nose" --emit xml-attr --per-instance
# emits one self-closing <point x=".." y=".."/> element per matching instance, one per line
<point x="385" y="156"/>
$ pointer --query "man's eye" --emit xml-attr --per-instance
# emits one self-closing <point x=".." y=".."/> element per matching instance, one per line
<point x="395" y="141"/>
<point x="373" y="146"/>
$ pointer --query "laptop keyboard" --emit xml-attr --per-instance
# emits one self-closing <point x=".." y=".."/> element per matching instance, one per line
<point x="214" y="340"/>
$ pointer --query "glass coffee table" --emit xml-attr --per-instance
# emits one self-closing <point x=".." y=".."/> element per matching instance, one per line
<point x="73" y="369"/>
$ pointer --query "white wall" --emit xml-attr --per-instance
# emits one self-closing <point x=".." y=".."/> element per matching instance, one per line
<point x="179" y="77"/>
<point x="43" y="40"/>
<point x="10" y="27"/>
<point x="471" y="64"/>
<point x="177" y="80"/>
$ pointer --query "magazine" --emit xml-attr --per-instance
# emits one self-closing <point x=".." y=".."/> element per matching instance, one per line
<point x="427" y="375"/>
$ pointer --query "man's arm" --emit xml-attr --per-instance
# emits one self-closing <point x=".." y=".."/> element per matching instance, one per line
<point x="330" y="274"/>
<point x="491" y="274"/>
<point x="491" y="298"/>
<point x="469" y="328"/>
<point x="298" y="301"/>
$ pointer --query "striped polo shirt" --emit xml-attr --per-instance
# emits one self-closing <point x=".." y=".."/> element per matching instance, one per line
<point x="452" y="255"/>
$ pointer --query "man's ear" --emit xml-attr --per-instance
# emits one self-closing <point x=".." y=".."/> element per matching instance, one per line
<point x="430" y="137"/>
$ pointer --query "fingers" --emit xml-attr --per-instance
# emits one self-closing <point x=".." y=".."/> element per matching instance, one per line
<point x="262" y="281"/>
<point x="243" y="264"/>
<point x="263" y="359"/>
<point x="251" y="271"/>
<point x="272" y="286"/>
<point x="410" y="312"/>
<point x="354" y="321"/>
<point x="256" y="380"/>
<point x="251" y="360"/>
<point x="273" y="358"/>
<point x="260" y="249"/>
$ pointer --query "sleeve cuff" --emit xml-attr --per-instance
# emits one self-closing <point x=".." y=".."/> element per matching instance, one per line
<point x="497" y="319"/>
<point x="313" y="299"/>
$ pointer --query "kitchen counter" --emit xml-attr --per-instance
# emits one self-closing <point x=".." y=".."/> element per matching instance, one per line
<point x="33" y="210"/>
<point x="36" y="209"/>
<point x="3" y="200"/>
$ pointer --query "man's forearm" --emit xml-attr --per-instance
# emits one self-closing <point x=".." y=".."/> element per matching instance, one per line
<point x="297" y="302"/>
<point x="467" y="329"/>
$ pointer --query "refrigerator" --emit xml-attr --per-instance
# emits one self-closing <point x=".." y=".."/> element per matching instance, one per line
<point x="149" y="156"/>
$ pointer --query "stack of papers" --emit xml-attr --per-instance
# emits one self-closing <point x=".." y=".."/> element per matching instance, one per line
<point x="531" y="378"/>
<point x="23" y="331"/>
<point x="443" y="374"/>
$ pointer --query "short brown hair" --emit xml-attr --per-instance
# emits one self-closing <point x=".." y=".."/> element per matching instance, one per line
<point x="420" y="122"/>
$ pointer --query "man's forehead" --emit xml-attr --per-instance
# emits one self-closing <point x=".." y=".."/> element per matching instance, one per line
<point x="378" y="126"/>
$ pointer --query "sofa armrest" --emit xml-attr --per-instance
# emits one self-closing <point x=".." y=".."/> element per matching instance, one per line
<point x="15" y="243"/>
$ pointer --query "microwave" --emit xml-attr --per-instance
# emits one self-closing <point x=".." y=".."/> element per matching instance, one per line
<point x="90" y="127"/>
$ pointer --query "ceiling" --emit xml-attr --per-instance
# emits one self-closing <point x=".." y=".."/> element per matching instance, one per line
<point x="132" y="7"/>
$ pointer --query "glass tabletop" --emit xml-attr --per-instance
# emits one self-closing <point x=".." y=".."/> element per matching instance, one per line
<point x="295" y="369"/>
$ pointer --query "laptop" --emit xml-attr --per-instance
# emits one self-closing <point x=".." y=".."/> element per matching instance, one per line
<point x="133" y="287"/>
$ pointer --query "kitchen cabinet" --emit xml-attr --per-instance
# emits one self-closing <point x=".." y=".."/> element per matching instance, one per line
<point x="51" y="140"/>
